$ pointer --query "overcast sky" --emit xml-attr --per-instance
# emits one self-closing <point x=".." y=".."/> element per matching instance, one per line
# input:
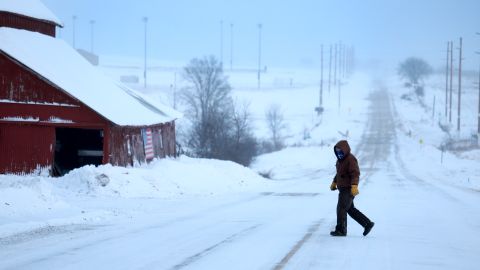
<point x="293" y="30"/>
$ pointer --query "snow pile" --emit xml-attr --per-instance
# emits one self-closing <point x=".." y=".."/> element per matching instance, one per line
<point x="164" y="178"/>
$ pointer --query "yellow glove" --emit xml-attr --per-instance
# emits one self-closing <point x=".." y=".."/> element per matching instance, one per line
<point x="355" y="190"/>
<point x="333" y="186"/>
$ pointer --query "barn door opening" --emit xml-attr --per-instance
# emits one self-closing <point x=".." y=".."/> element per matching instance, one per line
<point x="75" y="147"/>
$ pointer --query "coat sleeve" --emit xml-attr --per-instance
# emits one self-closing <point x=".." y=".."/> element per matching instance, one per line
<point x="354" y="171"/>
<point x="336" y="172"/>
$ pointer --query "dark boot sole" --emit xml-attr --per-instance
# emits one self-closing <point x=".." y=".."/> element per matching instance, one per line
<point x="337" y="234"/>
<point x="368" y="229"/>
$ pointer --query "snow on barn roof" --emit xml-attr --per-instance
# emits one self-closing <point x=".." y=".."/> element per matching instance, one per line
<point x="57" y="62"/>
<point x="30" y="8"/>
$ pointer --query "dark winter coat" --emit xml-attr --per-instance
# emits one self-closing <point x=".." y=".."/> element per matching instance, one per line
<point x="348" y="172"/>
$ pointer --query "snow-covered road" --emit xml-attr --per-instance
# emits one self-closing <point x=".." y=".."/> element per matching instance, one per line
<point x="420" y="223"/>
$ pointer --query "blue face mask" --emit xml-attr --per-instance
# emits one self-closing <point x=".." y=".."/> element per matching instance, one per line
<point x="339" y="153"/>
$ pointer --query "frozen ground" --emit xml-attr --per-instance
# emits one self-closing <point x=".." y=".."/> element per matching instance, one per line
<point x="206" y="214"/>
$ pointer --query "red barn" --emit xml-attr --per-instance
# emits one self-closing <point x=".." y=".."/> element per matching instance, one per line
<point x="58" y="112"/>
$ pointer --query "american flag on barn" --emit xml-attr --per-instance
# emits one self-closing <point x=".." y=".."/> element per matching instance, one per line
<point x="148" y="143"/>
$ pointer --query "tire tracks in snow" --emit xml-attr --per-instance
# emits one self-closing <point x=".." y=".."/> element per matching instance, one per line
<point x="377" y="139"/>
<point x="192" y="259"/>
<point x="311" y="230"/>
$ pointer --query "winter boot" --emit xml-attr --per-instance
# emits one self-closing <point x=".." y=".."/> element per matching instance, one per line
<point x="368" y="228"/>
<point x="338" y="233"/>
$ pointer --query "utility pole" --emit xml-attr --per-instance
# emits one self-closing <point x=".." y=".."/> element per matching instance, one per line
<point x="352" y="60"/>
<point x="451" y="83"/>
<point x="145" y="20"/>
<point x="92" y="22"/>
<point x="446" y="81"/>
<point x="459" y="84"/>
<point x="339" y="85"/>
<point x="330" y="70"/>
<point x="231" y="46"/>
<point x="478" y="123"/>
<point x="343" y="60"/>
<point x="74" y="18"/>
<point x="259" y="51"/>
<point x="340" y="45"/>
<point x="321" y="78"/>
<point x="335" y="66"/>
<point x="221" y="43"/>
<point x="175" y="90"/>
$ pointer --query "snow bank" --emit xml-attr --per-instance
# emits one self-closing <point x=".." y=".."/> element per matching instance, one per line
<point x="91" y="194"/>
<point x="163" y="178"/>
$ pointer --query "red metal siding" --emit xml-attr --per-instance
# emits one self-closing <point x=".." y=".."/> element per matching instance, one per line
<point x="18" y="83"/>
<point x="12" y="20"/>
<point x="24" y="94"/>
<point x="25" y="148"/>
<point x="126" y="146"/>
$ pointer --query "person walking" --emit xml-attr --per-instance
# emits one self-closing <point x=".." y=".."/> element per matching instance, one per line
<point x="346" y="181"/>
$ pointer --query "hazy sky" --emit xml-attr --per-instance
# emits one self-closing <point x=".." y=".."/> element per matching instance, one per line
<point x="293" y="30"/>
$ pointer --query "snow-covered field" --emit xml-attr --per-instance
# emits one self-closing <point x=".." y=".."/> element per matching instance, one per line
<point x="190" y="213"/>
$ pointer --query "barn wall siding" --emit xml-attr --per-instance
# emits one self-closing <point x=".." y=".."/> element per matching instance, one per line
<point x="12" y="20"/>
<point x="168" y="133"/>
<point x="19" y="84"/>
<point x="127" y="147"/>
<point x="26" y="148"/>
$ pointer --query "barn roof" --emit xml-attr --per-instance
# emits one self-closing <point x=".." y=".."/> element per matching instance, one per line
<point x="57" y="62"/>
<point x="30" y="8"/>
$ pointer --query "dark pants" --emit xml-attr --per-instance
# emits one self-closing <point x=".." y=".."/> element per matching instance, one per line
<point x="345" y="206"/>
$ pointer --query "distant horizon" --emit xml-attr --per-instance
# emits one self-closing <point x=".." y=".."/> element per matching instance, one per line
<point x="382" y="33"/>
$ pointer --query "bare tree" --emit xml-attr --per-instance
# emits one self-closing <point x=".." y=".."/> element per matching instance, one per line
<point x="208" y="101"/>
<point x="276" y="125"/>
<point x="244" y="144"/>
<point x="218" y="130"/>
<point x="414" y="70"/>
